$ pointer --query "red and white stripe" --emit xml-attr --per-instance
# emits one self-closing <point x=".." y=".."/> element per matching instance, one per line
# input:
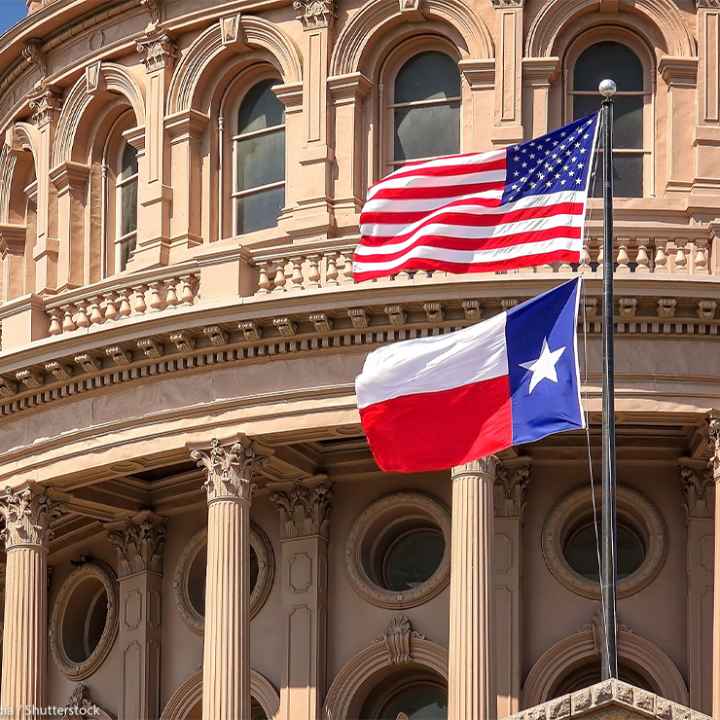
<point x="447" y="214"/>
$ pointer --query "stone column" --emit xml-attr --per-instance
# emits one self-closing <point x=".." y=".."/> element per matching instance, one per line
<point x="471" y="673"/>
<point x="226" y="656"/>
<point x="304" y="520"/>
<point x="696" y="483"/>
<point x="714" y="437"/>
<point x="477" y="126"/>
<point x="140" y="544"/>
<point x="27" y="514"/>
<point x="511" y="485"/>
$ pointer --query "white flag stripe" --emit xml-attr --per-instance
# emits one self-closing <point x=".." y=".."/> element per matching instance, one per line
<point x="472" y="232"/>
<point x="464" y="257"/>
<point x="422" y="205"/>
<point x="429" y="181"/>
<point x="436" y="363"/>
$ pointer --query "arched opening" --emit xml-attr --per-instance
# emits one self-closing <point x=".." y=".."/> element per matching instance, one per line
<point x="407" y="694"/>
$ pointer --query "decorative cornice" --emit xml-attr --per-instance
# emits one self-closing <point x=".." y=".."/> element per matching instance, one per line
<point x="304" y="511"/>
<point x="28" y="514"/>
<point x="315" y="13"/>
<point x="157" y="50"/>
<point x="695" y="483"/>
<point x="398" y="638"/>
<point x="230" y="469"/>
<point x="511" y="484"/>
<point x="140" y="544"/>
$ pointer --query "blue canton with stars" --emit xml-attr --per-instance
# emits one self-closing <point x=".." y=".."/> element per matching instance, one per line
<point x="556" y="162"/>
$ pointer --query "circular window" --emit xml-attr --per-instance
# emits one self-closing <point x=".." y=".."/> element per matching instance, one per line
<point x="84" y="622"/>
<point x="413" y="696"/>
<point x="398" y="551"/>
<point x="570" y="548"/>
<point x="189" y="582"/>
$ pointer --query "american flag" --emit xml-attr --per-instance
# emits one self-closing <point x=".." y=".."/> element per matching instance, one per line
<point x="477" y="212"/>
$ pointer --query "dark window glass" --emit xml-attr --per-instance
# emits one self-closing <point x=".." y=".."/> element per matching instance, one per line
<point x="412" y="558"/>
<point x="256" y="711"/>
<point x="589" y="674"/>
<point x="627" y="117"/>
<point x="84" y="620"/>
<point x="128" y="207"/>
<point x="581" y="551"/>
<point x="260" y="109"/>
<point x="427" y="76"/>
<point x="420" y="701"/>
<point x="129" y="162"/>
<point x="260" y="160"/>
<point x="608" y="60"/>
<point x="259" y="210"/>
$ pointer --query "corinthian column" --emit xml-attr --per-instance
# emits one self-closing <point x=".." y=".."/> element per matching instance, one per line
<point x="27" y="514"/>
<point x="226" y="655"/>
<point x="471" y="677"/>
<point x="714" y="436"/>
<point x="304" y="520"/>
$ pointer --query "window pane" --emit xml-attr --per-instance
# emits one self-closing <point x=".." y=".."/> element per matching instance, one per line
<point x="628" y="175"/>
<point x="412" y="559"/>
<point x="427" y="76"/>
<point x="129" y="162"/>
<point x="260" y="109"/>
<point x="128" y="207"/>
<point x="427" y="131"/>
<point x="259" y="210"/>
<point x="608" y="60"/>
<point x="260" y="160"/>
<point x="126" y="247"/>
<point x="418" y="702"/>
<point x="628" y="117"/>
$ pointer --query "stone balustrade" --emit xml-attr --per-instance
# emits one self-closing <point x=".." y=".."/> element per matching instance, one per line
<point x="98" y="305"/>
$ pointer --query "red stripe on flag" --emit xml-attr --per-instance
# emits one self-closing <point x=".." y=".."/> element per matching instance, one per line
<point x="450" y="170"/>
<point x="435" y="430"/>
<point x="435" y="191"/>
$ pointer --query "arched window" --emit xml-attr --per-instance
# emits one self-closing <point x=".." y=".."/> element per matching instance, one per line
<point x="425" y="108"/>
<point x="609" y="59"/>
<point x="414" y="695"/>
<point x="589" y="674"/>
<point x="126" y="182"/>
<point x="259" y="159"/>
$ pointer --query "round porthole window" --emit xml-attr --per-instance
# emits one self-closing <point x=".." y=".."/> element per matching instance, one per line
<point x="84" y="622"/>
<point x="569" y="543"/>
<point x="189" y="582"/>
<point x="398" y="551"/>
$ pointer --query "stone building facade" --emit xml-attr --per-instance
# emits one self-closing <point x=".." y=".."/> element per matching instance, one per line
<point x="194" y="525"/>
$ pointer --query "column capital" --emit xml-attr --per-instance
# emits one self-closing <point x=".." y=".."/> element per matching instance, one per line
<point x="511" y="484"/>
<point x="713" y="431"/>
<point x="707" y="4"/>
<point x="508" y="4"/>
<point x="230" y="469"/>
<point x="695" y="484"/>
<point x="315" y="13"/>
<point x="28" y="513"/>
<point x="486" y="467"/>
<point x="140" y="543"/>
<point x="157" y="50"/>
<point x="304" y="510"/>
<point x="45" y="107"/>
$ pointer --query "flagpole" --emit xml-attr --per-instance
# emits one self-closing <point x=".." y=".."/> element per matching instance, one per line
<point x="608" y="573"/>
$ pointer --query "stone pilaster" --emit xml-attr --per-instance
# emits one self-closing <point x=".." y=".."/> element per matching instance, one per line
<point x="538" y="76"/>
<point x="27" y="513"/>
<point x="140" y="545"/>
<point x="304" y="520"/>
<point x="471" y="676"/>
<point x="226" y="657"/>
<point x="714" y="437"/>
<point x="513" y="478"/>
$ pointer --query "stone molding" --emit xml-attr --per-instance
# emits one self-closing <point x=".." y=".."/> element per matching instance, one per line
<point x="28" y="514"/>
<point x="262" y="546"/>
<point x="140" y="544"/>
<point x="80" y="670"/>
<point x="372" y="664"/>
<point x="80" y="699"/>
<point x="374" y="514"/>
<point x="304" y="510"/>
<point x="189" y="693"/>
<point x="230" y="469"/>
<point x="578" y="503"/>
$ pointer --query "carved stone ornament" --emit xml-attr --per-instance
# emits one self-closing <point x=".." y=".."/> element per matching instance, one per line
<point x="502" y="4"/>
<point x="714" y="438"/>
<point x="398" y="638"/>
<point x="157" y="51"/>
<point x="511" y="484"/>
<point x="28" y="514"/>
<point x="695" y="485"/>
<point x="708" y="4"/>
<point x="140" y="544"/>
<point x="45" y="107"/>
<point x="154" y="9"/>
<point x="230" y="470"/>
<point x="315" y="13"/>
<point x="80" y="705"/>
<point x="304" y="511"/>
<point x="33" y="54"/>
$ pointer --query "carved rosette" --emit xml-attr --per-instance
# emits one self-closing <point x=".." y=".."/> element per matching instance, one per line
<point x="315" y="13"/>
<point x="714" y="438"/>
<point x="230" y="470"/>
<point x="28" y="514"/>
<point x="157" y="51"/>
<point x="695" y="485"/>
<point x="511" y="484"/>
<point x="140" y="544"/>
<point x="304" y="511"/>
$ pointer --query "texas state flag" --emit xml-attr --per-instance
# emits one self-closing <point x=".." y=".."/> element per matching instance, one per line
<point x="440" y="401"/>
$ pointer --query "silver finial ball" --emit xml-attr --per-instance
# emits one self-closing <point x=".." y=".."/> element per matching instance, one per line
<point x="607" y="88"/>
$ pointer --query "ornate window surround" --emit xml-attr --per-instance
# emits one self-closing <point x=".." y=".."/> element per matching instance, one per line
<point x="74" y="670"/>
<point x="623" y="36"/>
<point x="632" y="504"/>
<point x="410" y="503"/>
<point x="259" y="542"/>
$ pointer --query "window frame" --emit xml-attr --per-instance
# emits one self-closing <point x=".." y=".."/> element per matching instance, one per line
<point x="622" y="36"/>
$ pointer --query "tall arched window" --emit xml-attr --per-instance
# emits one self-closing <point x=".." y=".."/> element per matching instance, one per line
<point x="126" y="182"/>
<point x="615" y="60"/>
<point x="425" y="108"/>
<point x="259" y="159"/>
